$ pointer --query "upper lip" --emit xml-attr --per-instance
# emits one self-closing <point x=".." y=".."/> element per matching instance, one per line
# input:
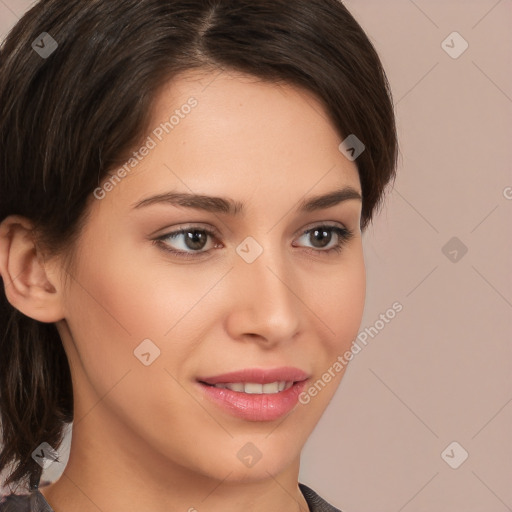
<point x="258" y="375"/>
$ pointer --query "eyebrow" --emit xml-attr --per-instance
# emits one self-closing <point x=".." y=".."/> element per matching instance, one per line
<point x="234" y="208"/>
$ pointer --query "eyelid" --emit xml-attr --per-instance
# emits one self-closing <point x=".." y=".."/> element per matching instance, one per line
<point x="323" y="224"/>
<point x="169" y="230"/>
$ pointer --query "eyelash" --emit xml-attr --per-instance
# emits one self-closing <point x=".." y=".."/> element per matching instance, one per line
<point x="344" y="235"/>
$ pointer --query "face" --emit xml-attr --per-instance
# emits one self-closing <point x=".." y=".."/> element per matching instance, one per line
<point x="170" y="291"/>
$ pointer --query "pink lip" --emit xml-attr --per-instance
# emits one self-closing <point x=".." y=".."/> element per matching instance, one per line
<point x="256" y="407"/>
<point x="258" y="375"/>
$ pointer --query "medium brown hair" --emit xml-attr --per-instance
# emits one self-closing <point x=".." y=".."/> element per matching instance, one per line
<point x="67" y="119"/>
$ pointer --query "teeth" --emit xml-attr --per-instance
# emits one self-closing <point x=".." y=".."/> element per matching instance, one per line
<point x="257" y="389"/>
<point x="254" y="389"/>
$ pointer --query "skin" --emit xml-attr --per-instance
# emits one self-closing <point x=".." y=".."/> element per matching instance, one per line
<point x="144" y="438"/>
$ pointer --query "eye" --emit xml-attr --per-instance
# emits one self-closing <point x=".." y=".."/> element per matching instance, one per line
<point x="190" y="242"/>
<point x="191" y="239"/>
<point x="322" y="237"/>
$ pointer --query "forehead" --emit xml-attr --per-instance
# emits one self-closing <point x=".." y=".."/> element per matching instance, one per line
<point x="228" y="99"/>
<point x="231" y="134"/>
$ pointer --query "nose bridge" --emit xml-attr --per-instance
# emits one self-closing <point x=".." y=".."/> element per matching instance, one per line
<point x="266" y="301"/>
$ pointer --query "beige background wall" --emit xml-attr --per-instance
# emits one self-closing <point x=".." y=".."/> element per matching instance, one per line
<point x="440" y="371"/>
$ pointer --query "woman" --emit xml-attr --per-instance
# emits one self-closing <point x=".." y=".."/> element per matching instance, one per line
<point x="184" y="185"/>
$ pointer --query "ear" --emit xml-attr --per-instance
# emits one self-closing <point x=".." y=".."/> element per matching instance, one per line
<point x="25" y="274"/>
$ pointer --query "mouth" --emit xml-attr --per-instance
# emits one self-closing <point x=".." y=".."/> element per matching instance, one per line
<point x="254" y="388"/>
<point x="256" y="394"/>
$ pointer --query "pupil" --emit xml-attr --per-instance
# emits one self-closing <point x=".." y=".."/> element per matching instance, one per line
<point x="324" y="235"/>
<point x="193" y="239"/>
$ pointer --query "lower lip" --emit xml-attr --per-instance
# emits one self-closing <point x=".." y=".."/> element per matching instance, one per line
<point x="255" y="407"/>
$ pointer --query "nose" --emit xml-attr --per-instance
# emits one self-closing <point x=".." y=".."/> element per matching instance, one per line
<point x="265" y="305"/>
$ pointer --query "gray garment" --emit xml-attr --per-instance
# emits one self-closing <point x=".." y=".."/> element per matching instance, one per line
<point x="35" y="502"/>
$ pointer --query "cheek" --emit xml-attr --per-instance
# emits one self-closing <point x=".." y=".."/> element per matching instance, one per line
<point x="122" y="296"/>
<point x="138" y="293"/>
<point x="338" y="313"/>
<point x="114" y="304"/>
<point x="340" y="303"/>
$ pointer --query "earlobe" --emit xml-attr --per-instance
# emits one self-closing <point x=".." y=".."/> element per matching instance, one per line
<point x="23" y="270"/>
